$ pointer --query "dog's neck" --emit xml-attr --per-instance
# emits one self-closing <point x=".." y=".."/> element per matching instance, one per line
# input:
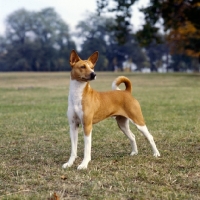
<point x="76" y="89"/>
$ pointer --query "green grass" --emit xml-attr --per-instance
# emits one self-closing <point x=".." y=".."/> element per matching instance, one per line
<point x="35" y="141"/>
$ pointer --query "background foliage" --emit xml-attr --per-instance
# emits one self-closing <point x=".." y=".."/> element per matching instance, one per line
<point x="174" y="23"/>
<point x="42" y="41"/>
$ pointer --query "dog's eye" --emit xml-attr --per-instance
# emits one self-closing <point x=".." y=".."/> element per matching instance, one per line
<point x="83" y="67"/>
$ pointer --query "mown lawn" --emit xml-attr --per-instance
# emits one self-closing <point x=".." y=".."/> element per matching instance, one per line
<point x="35" y="141"/>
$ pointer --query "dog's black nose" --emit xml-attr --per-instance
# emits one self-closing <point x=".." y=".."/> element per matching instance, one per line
<point x="92" y="76"/>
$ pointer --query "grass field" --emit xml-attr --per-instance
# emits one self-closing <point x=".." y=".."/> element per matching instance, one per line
<point x="35" y="141"/>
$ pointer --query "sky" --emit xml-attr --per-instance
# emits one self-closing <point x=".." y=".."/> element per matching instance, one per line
<point x="71" y="11"/>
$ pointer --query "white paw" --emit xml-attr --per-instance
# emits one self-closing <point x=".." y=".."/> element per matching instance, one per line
<point x="83" y="165"/>
<point x="66" y="165"/>
<point x="156" y="154"/>
<point x="70" y="162"/>
<point x="133" y="153"/>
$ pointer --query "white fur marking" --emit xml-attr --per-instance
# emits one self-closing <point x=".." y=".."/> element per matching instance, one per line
<point x="74" y="142"/>
<point x="75" y="97"/>
<point x="114" y="86"/>
<point x="87" y="152"/>
<point x="146" y="133"/>
<point x="124" y="126"/>
<point x="74" y="114"/>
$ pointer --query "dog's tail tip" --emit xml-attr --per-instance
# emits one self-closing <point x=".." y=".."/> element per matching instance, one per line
<point x="122" y="79"/>
<point x="114" y="86"/>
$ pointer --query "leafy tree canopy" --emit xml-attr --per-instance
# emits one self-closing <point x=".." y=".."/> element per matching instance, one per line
<point x="36" y="41"/>
<point x="180" y="20"/>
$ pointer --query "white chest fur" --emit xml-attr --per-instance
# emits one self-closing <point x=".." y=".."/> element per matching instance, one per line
<point x="74" y="100"/>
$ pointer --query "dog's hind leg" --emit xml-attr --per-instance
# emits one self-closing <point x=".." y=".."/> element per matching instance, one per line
<point x="149" y="137"/>
<point x="136" y="117"/>
<point x="123" y="124"/>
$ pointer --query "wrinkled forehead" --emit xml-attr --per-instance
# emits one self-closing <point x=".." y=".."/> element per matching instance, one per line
<point x="85" y="63"/>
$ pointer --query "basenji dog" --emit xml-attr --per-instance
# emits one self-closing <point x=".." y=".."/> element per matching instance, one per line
<point x="87" y="107"/>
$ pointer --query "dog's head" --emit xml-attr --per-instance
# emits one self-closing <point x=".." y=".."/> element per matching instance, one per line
<point x="83" y="70"/>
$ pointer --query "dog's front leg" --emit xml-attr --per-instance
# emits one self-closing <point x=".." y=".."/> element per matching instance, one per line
<point x="87" y="147"/>
<point x="74" y="141"/>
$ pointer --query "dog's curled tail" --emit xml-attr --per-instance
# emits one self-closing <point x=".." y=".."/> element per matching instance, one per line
<point x="122" y="79"/>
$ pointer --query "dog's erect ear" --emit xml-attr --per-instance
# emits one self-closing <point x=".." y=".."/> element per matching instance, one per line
<point x="94" y="57"/>
<point x="74" y="58"/>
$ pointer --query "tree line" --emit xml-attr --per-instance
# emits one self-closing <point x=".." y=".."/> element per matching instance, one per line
<point x="35" y="41"/>
<point x="178" y="18"/>
<point x="42" y="41"/>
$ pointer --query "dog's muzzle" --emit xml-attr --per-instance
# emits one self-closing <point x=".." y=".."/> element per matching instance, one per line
<point x="92" y="76"/>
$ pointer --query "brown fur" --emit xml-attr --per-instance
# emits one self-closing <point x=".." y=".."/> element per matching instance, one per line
<point x="87" y="106"/>
<point x="100" y="105"/>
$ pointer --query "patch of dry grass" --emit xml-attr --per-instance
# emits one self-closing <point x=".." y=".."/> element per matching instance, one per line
<point x="35" y="141"/>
